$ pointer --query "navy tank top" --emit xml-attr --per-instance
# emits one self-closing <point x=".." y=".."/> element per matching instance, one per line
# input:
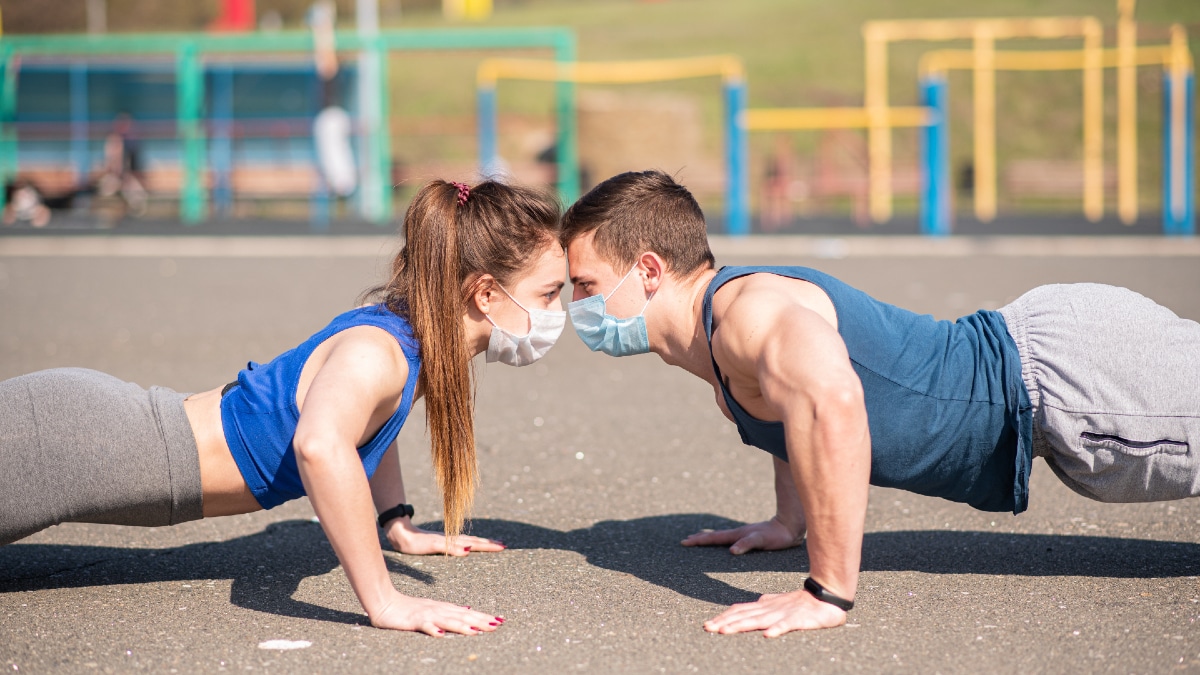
<point x="259" y="414"/>
<point x="948" y="413"/>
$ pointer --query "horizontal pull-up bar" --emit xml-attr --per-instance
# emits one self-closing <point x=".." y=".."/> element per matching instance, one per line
<point x="781" y="119"/>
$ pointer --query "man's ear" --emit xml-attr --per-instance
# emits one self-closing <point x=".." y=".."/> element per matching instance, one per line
<point x="655" y="269"/>
<point x="485" y="289"/>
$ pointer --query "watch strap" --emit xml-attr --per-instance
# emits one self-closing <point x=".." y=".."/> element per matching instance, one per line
<point x="397" y="511"/>
<point x="818" y="591"/>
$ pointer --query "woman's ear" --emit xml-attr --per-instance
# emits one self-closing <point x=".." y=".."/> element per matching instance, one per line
<point x="654" y="268"/>
<point x="484" y="293"/>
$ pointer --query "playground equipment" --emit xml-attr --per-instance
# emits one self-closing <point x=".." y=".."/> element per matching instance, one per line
<point x="733" y="84"/>
<point x="984" y="32"/>
<point x="1179" y="93"/>
<point x="190" y="50"/>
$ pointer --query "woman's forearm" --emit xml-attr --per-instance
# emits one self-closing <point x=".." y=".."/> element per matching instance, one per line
<point x="339" y="492"/>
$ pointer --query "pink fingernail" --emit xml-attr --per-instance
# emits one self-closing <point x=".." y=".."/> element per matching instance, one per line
<point x="493" y="623"/>
<point x="467" y="549"/>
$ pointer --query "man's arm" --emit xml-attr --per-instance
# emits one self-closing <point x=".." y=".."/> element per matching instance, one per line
<point x="806" y="381"/>
<point x="785" y="530"/>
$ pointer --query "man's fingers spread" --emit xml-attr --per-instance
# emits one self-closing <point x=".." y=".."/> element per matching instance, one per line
<point x="715" y="538"/>
<point x="746" y="543"/>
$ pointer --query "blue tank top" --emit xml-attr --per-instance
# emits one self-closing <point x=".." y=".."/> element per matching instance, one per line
<point x="259" y="415"/>
<point x="948" y="412"/>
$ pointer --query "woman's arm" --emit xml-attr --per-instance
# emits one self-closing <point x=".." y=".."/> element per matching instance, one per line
<point x="387" y="490"/>
<point x="354" y="388"/>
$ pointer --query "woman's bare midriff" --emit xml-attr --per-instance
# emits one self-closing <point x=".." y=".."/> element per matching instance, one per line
<point x="224" y="490"/>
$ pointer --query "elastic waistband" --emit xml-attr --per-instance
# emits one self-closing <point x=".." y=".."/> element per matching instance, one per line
<point x="183" y="456"/>
<point x="1016" y="318"/>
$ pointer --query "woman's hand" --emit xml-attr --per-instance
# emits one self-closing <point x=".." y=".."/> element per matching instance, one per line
<point x="432" y="617"/>
<point x="408" y="538"/>
<point x="771" y="535"/>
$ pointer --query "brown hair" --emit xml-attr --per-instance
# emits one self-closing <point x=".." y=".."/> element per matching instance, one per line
<point x="642" y="211"/>
<point x="449" y="244"/>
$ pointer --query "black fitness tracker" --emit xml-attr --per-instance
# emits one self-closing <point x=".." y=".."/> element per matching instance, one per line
<point x="818" y="591"/>
<point x="397" y="511"/>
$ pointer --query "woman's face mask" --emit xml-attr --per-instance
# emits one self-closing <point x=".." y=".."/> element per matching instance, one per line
<point x="606" y="333"/>
<point x="521" y="350"/>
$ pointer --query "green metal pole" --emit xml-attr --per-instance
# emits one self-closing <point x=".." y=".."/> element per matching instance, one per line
<point x="8" y="113"/>
<point x="568" y="132"/>
<point x="381" y="144"/>
<point x="189" y="103"/>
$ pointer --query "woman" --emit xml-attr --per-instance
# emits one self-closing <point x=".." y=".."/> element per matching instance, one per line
<point x="480" y="271"/>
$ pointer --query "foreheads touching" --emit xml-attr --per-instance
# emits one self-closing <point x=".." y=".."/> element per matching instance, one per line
<point x="608" y="230"/>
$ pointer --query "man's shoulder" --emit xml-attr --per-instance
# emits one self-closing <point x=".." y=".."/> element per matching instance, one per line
<point x="768" y="296"/>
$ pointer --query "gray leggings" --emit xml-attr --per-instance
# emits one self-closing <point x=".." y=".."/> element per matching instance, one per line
<point x="81" y="446"/>
<point x="1115" y="384"/>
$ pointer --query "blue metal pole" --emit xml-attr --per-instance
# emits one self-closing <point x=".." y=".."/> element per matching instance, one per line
<point x="935" y="156"/>
<point x="1168" y="154"/>
<point x="79" y="122"/>
<point x="737" y="187"/>
<point x="8" y="113"/>
<point x="222" y="139"/>
<point x="1188" y="226"/>
<point x="567" y="145"/>
<point x="1179" y="206"/>
<point x="485" y="101"/>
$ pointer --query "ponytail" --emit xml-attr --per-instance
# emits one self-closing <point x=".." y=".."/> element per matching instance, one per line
<point x="451" y="240"/>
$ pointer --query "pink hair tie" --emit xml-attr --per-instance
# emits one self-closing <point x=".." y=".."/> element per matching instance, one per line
<point x="464" y="191"/>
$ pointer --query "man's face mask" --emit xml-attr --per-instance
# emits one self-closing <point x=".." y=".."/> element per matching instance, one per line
<point x="603" y="332"/>
<point x="521" y="350"/>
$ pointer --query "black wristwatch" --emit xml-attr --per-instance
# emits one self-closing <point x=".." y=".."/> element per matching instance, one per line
<point x="818" y="591"/>
<point x="397" y="511"/>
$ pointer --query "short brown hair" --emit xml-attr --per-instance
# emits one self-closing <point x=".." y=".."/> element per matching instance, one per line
<point x="640" y="211"/>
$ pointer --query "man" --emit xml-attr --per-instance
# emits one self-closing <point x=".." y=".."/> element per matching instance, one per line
<point x="845" y="390"/>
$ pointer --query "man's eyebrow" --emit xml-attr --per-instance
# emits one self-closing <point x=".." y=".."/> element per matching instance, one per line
<point x="576" y="280"/>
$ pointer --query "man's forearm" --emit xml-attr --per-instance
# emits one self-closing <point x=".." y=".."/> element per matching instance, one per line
<point x="788" y="509"/>
<point x="831" y="466"/>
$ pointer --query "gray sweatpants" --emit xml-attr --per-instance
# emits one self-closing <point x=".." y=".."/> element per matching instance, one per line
<point x="77" y="445"/>
<point x="1115" y="384"/>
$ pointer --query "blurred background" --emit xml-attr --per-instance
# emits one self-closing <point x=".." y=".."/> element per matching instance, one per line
<point x="1055" y="117"/>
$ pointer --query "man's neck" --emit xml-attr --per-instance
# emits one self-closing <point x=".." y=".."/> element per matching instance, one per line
<point x="676" y="326"/>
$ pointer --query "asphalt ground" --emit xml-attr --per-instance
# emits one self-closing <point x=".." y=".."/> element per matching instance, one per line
<point x="593" y="469"/>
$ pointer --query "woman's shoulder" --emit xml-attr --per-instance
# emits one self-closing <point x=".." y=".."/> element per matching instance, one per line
<point x="382" y="317"/>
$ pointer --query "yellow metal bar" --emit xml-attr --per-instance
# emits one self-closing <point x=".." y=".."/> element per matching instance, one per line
<point x="783" y="119"/>
<point x="1093" y="121"/>
<point x="1178" y="70"/>
<point x="1127" y="188"/>
<point x="879" y="135"/>
<point x="985" y="125"/>
<point x="609" y="72"/>
<point x="964" y="29"/>
<point x="942" y="60"/>
<point x="877" y="35"/>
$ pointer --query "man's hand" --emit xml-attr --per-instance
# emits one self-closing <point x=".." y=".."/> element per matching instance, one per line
<point x="776" y="614"/>
<point x="771" y="535"/>
<point x="408" y="538"/>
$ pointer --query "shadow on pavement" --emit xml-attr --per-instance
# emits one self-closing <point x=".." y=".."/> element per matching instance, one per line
<point x="267" y="567"/>
<point x="648" y="549"/>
